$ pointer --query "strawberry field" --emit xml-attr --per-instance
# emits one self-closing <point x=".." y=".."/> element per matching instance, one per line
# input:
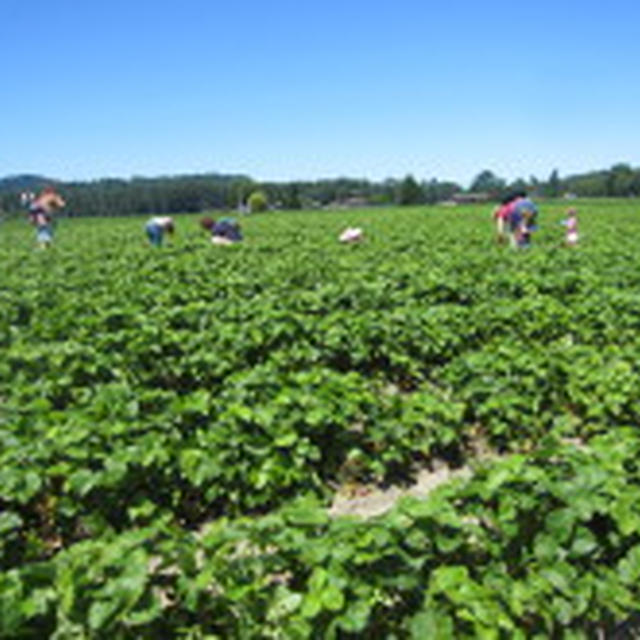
<point x="175" y="422"/>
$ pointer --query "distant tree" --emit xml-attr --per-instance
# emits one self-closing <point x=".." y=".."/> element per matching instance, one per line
<point x="291" y="196"/>
<point x="620" y="180"/>
<point x="534" y="185"/>
<point x="587" y="185"/>
<point x="554" y="185"/>
<point x="238" y="192"/>
<point x="431" y="191"/>
<point x="199" y="192"/>
<point x="435" y="191"/>
<point x="409" y="192"/>
<point x="487" y="182"/>
<point x="446" y="190"/>
<point x="621" y="167"/>
<point x="257" y="202"/>
<point x="517" y="186"/>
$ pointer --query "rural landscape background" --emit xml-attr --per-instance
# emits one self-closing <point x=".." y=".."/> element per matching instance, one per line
<point x="426" y="434"/>
<point x="198" y="193"/>
<point x="189" y="432"/>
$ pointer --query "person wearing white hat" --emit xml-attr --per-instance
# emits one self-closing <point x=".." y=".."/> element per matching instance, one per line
<point x="351" y="235"/>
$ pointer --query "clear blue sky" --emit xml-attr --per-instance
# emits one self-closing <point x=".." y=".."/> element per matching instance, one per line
<point x="293" y="90"/>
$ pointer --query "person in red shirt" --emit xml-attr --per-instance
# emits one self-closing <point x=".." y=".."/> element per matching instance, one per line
<point x="41" y="210"/>
<point x="502" y="215"/>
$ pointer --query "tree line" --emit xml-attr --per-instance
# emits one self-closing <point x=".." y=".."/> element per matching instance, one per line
<point x="196" y="193"/>
<point x="620" y="181"/>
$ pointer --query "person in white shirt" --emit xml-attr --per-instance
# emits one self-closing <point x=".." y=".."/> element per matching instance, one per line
<point x="571" y="223"/>
<point x="350" y="235"/>
<point x="156" y="228"/>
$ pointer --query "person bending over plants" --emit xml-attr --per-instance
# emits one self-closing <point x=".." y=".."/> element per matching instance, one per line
<point x="522" y="221"/>
<point x="156" y="227"/>
<point x="223" y="231"/>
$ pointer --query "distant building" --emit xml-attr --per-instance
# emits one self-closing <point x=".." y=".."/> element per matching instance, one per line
<point x="468" y="198"/>
<point x="352" y="202"/>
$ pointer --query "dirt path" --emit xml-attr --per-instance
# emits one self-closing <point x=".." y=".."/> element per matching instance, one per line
<point x="373" y="501"/>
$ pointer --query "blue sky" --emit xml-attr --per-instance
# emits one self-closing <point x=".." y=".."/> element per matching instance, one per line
<point x="286" y="90"/>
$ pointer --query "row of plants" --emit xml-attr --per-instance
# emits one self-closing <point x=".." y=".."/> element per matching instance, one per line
<point x="144" y="394"/>
<point x="533" y="546"/>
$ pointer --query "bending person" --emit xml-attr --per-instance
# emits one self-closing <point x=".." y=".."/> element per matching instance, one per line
<point x="502" y="214"/>
<point x="156" y="228"/>
<point x="351" y="235"/>
<point x="223" y="231"/>
<point x="523" y="222"/>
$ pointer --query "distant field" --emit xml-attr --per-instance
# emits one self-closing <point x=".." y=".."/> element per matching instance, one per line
<point x="175" y="422"/>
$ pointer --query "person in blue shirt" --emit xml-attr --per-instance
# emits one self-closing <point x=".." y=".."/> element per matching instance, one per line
<point x="223" y="231"/>
<point x="156" y="227"/>
<point x="522" y="221"/>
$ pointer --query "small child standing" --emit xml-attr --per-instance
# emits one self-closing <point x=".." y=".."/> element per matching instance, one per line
<point x="571" y="223"/>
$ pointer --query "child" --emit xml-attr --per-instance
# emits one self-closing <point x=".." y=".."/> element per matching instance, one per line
<point x="156" y="228"/>
<point x="571" y="223"/>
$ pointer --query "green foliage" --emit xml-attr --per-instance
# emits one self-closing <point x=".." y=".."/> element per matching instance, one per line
<point x="257" y="202"/>
<point x="554" y="185"/>
<point x="487" y="182"/>
<point x="174" y="425"/>
<point x="409" y="192"/>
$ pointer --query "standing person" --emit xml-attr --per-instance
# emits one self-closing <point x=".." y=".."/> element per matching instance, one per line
<point x="522" y="220"/>
<point x="223" y="231"/>
<point x="41" y="210"/>
<point x="156" y="228"/>
<point x="571" y="223"/>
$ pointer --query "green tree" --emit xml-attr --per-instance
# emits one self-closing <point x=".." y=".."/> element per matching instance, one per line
<point x="619" y="180"/>
<point x="409" y="192"/>
<point x="554" y="185"/>
<point x="257" y="202"/>
<point x="487" y="182"/>
<point x="238" y="192"/>
<point x="518" y="185"/>
<point x="291" y="197"/>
